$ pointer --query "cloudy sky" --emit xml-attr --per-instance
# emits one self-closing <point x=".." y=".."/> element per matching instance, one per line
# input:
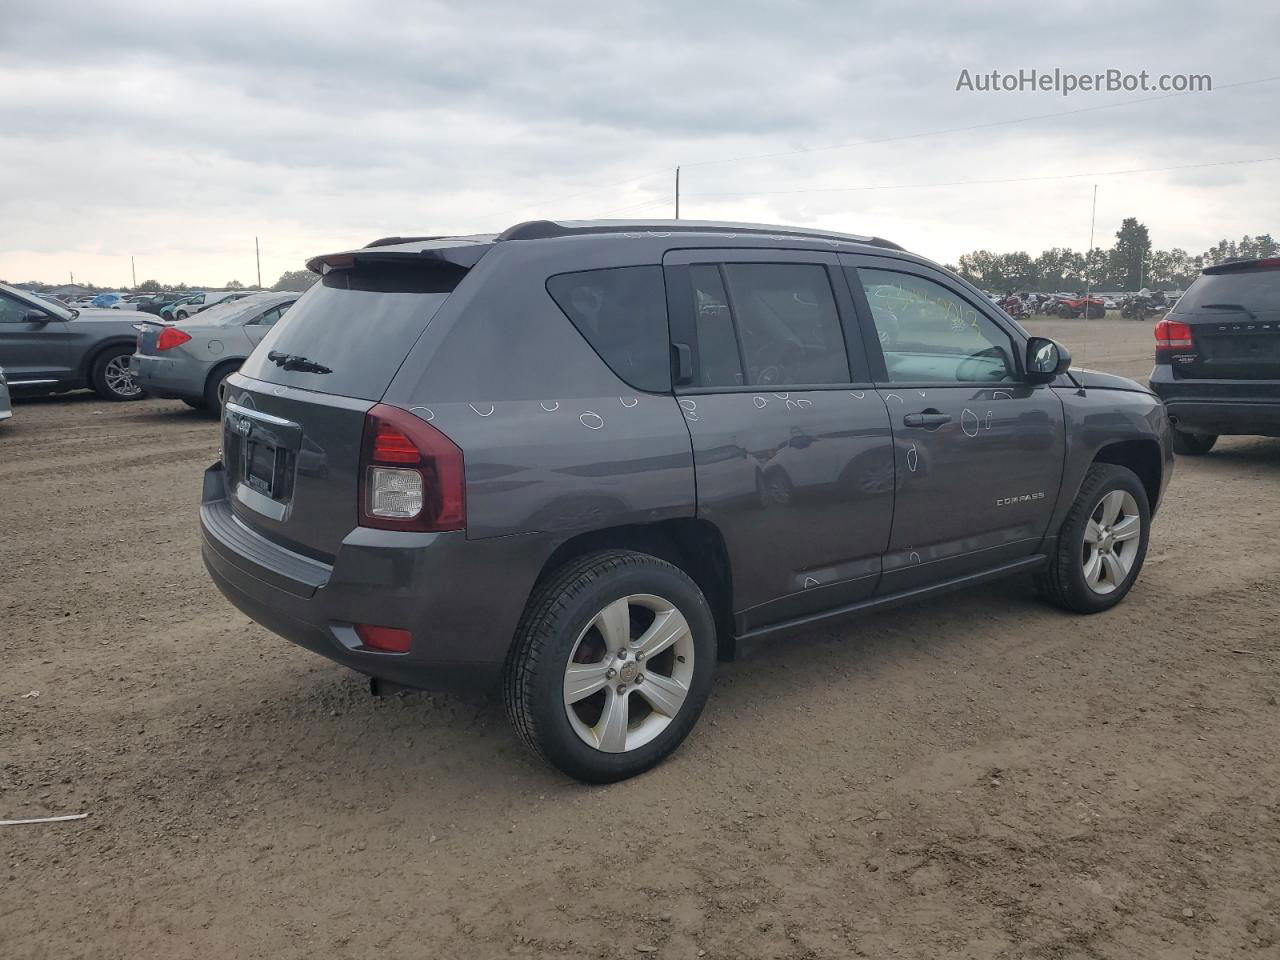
<point x="175" y="133"/>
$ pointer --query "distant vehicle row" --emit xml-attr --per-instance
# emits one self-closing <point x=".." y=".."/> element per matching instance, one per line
<point x="49" y="347"/>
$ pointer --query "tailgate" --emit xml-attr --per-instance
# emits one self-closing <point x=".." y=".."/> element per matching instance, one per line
<point x="1234" y="346"/>
<point x="292" y="463"/>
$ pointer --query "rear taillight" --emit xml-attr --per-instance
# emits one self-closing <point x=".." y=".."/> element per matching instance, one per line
<point x="1173" y="334"/>
<point x="171" y="337"/>
<point x="411" y="474"/>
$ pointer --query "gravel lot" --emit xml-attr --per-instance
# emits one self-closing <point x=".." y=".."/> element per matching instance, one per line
<point x="979" y="776"/>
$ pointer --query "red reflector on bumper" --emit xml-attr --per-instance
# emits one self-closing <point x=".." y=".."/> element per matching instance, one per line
<point x="386" y="639"/>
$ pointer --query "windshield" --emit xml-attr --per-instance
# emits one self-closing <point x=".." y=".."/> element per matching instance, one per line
<point x="47" y="306"/>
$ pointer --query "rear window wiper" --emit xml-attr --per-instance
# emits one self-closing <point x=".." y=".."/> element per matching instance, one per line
<point x="1230" y="306"/>
<point x="291" y="361"/>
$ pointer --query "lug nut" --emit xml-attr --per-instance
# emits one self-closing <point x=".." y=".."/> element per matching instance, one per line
<point x="611" y="673"/>
<point x="622" y="688"/>
<point x="640" y="655"/>
<point x="640" y="678"/>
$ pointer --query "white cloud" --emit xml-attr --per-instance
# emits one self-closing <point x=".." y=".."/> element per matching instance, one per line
<point x="177" y="133"/>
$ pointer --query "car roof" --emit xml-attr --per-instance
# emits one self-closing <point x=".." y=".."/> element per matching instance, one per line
<point x="230" y="310"/>
<point x="466" y="250"/>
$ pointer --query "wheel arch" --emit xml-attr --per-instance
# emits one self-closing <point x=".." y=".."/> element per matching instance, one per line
<point x="1143" y="457"/>
<point x="93" y="356"/>
<point x="235" y="363"/>
<point x="694" y="545"/>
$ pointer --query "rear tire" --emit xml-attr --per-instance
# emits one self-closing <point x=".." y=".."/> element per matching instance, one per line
<point x="567" y="629"/>
<point x="111" y="377"/>
<point x="1193" y="444"/>
<point x="1100" y="551"/>
<point x="213" y="388"/>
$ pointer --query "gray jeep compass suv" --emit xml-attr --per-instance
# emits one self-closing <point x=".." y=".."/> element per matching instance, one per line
<point x="589" y="459"/>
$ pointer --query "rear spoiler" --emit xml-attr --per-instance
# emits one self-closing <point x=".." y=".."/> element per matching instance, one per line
<point x="464" y="252"/>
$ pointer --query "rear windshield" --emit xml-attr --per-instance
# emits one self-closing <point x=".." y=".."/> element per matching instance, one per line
<point x="1257" y="291"/>
<point x="350" y="332"/>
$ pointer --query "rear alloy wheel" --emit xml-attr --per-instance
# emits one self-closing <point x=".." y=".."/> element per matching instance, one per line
<point x="1102" y="543"/>
<point x="1193" y="444"/>
<point x="112" y="377"/>
<point x="611" y="665"/>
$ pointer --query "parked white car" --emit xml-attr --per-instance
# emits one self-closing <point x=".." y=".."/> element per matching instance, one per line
<point x="201" y="301"/>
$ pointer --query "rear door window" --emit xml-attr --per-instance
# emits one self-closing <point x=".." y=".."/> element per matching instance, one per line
<point x="622" y="313"/>
<point x="352" y="330"/>
<point x="767" y="324"/>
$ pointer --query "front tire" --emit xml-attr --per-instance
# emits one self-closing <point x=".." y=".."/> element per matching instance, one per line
<point x="1102" y="544"/>
<point x="1193" y="444"/>
<point x="611" y="665"/>
<point x="112" y="377"/>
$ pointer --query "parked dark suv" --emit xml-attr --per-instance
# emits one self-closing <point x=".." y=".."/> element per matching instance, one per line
<point x="588" y="459"/>
<point x="1218" y="355"/>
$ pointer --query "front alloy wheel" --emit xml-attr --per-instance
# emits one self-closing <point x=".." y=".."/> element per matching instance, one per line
<point x="1111" y="540"/>
<point x="1101" y="544"/>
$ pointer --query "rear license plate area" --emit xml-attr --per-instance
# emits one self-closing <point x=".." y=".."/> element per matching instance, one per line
<point x="263" y="468"/>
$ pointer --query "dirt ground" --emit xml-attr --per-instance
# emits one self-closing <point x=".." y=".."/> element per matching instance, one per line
<point x="979" y="776"/>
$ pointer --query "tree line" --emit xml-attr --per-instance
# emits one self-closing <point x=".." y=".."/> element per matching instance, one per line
<point x="1129" y="264"/>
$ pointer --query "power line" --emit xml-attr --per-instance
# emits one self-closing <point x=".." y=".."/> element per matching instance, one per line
<point x="978" y="126"/>
<point x="965" y="183"/>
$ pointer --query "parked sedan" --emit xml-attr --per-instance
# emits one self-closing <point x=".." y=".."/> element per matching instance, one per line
<point x="6" y="409"/>
<point x="190" y="359"/>
<point x="49" y="348"/>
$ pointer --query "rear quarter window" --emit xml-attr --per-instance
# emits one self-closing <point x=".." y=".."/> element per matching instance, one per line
<point x="622" y="313"/>
<point x="359" y="324"/>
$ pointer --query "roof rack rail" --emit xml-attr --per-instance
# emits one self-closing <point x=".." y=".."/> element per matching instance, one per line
<point x="391" y="241"/>
<point x="547" y="229"/>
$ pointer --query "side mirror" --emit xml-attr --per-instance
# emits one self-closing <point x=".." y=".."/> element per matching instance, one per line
<point x="37" y="316"/>
<point x="1046" y="360"/>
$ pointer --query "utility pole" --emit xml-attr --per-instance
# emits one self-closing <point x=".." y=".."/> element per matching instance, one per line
<point x="134" y="270"/>
<point x="257" y="255"/>
<point x="677" y="193"/>
<point x="1088" y="274"/>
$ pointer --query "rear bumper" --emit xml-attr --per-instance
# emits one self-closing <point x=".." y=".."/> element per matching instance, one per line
<point x="461" y="599"/>
<point x="168" y="379"/>
<point x="1221" y="407"/>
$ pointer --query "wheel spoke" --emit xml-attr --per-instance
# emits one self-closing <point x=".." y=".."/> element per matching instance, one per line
<point x="1117" y="569"/>
<point x="1093" y="568"/>
<point x="581" y="680"/>
<point x="1111" y="505"/>
<point x="665" y="694"/>
<point x="1127" y="529"/>
<point x="666" y="629"/>
<point x="611" y="731"/>
<point x="1092" y="532"/>
<point x="614" y="624"/>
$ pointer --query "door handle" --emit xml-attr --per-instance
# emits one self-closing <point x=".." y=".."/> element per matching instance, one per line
<point x="928" y="419"/>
